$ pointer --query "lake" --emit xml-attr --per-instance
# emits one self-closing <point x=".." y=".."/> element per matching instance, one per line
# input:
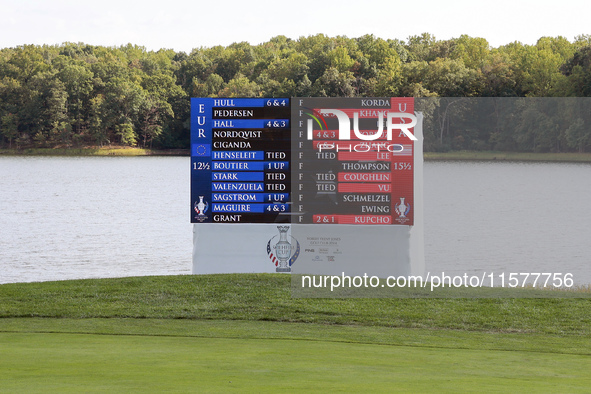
<point x="95" y="217"/>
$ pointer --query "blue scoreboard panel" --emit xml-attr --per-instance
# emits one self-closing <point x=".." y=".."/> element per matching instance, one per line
<point x="240" y="160"/>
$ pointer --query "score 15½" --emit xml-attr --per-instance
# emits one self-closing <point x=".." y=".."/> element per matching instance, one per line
<point x="401" y="166"/>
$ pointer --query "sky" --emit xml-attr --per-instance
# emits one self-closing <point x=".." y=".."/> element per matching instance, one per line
<point x="183" y="25"/>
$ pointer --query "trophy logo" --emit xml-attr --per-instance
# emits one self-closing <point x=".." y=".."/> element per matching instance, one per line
<point x="402" y="209"/>
<point x="200" y="208"/>
<point x="283" y="253"/>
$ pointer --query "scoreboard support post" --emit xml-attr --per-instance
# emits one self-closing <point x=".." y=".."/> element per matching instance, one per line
<point x="417" y="238"/>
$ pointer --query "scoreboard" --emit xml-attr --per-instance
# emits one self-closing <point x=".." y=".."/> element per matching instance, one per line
<point x="302" y="160"/>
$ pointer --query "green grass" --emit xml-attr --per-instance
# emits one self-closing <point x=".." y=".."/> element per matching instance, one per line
<point x="245" y="333"/>
<point x="131" y="363"/>
<point x="267" y="297"/>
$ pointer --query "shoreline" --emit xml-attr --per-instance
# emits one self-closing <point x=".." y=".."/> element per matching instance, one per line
<point x="94" y="151"/>
<point x="428" y="156"/>
<point x="508" y="156"/>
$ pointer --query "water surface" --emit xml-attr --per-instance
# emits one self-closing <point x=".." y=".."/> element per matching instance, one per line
<point x="93" y="217"/>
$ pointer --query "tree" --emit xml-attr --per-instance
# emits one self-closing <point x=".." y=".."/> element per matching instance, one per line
<point x="578" y="72"/>
<point x="413" y="80"/>
<point x="339" y="58"/>
<point x="56" y="113"/>
<point x="9" y="127"/>
<point x="537" y="128"/>
<point x="78" y="83"/>
<point x="389" y="78"/>
<point x="558" y="45"/>
<point x="126" y="134"/>
<point x="498" y="76"/>
<point x="536" y="68"/>
<point x="451" y="78"/>
<point x="97" y="128"/>
<point x="76" y="93"/>
<point x="472" y="51"/>
<point x="123" y="103"/>
<point x="334" y="84"/>
<point x="240" y="86"/>
<point x="316" y="48"/>
<point x="10" y="91"/>
<point x="420" y="48"/>
<point x="236" y="58"/>
<point x="577" y="136"/>
<point x="541" y="72"/>
<point x="292" y="67"/>
<point x="212" y="85"/>
<point x="24" y="63"/>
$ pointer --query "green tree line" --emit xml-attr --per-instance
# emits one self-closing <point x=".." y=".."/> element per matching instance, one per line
<point x="523" y="124"/>
<point x="76" y="94"/>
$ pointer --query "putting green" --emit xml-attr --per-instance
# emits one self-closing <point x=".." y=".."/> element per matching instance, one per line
<point x="67" y="362"/>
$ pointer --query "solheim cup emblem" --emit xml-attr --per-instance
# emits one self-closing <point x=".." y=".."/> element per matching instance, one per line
<point x="283" y="253"/>
<point x="402" y="209"/>
<point x="200" y="208"/>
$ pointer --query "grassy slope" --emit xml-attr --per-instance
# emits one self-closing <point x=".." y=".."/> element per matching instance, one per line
<point x="246" y="333"/>
<point x="267" y="297"/>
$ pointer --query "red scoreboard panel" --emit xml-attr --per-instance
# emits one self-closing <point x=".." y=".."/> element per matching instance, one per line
<point x="352" y="161"/>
